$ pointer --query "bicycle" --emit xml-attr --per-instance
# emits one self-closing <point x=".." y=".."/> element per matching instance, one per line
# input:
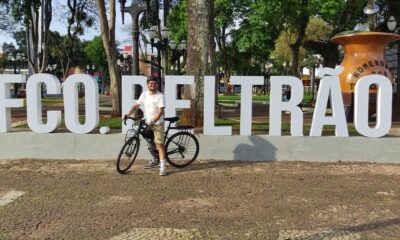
<point x="181" y="148"/>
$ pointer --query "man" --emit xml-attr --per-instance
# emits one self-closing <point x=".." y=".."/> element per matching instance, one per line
<point x="154" y="104"/>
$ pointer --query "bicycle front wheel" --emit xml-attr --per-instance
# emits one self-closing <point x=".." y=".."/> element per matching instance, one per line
<point x="128" y="154"/>
<point x="181" y="149"/>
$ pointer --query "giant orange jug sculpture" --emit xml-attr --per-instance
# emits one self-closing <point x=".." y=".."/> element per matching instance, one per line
<point x="363" y="55"/>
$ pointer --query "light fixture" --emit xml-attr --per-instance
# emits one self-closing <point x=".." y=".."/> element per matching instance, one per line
<point x="152" y="33"/>
<point x="391" y="24"/>
<point x="164" y="33"/>
<point x="182" y="45"/>
<point x="172" y="44"/>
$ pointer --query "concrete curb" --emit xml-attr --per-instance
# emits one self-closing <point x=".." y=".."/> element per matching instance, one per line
<point x="19" y="145"/>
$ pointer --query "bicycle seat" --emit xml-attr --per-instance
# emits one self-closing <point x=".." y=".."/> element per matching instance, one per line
<point x="172" y="119"/>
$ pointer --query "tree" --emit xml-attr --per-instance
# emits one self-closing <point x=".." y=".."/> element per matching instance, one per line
<point x="341" y="15"/>
<point x="81" y="15"/>
<point x="109" y="43"/>
<point x="197" y="58"/>
<point x="5" y="19"/>
<point x="27" y="13"/>
<point x="225" y="13"/>
<point x="259" y="27"/>
<point x="96" y="53"/>
<point x="8" y="48"/>
<point x="316" y="30"/>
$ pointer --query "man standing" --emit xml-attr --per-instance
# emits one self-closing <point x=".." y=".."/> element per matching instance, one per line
<point x="154" y="104"/>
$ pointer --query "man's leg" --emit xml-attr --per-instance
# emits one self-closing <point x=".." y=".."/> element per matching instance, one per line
<point x="161" y="153"/>
<point x="159" y="140"/>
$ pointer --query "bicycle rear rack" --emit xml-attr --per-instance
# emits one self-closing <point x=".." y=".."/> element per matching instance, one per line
<point x="183" y="128"/>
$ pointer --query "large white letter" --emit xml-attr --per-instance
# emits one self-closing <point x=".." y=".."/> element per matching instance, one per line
<point x="128" y="93"/>
<point x="171" y="83"/>
<point x="246" y="107"/>
<point x="384" y="106"/>
<point x="5" y="102"/>
<point x="329" y="86"/>
<point x="71" y="103"/>
<point x="209" y="113"/>
<point x="276" y="106"/>
<point x="34" y="103"/>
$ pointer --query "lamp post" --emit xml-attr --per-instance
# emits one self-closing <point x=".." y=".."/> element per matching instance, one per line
<point x="284" y="64"/>
<point x="160" y="43"/>
<point x="134" y="10"/>
<point x="90" y="69"/>
<point x="178" y="51"/>
<point x="267" y="74"/>
<point x="16" y="59"/>
<point x="392" y="24"/>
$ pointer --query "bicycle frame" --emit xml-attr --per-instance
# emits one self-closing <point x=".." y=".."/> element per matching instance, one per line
<point x="142" y="125"/>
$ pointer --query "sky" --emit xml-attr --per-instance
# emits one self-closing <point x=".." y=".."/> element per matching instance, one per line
<point x="123" y="35"/>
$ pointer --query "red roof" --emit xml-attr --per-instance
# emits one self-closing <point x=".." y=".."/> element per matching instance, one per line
<point x="128" y="48"/>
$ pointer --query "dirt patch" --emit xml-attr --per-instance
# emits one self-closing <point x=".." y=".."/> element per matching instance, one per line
<point x="189" y="204"/>
<point x="113" y="200"/>
<point x="9" y="197"/>
<point x="159" y="233"/>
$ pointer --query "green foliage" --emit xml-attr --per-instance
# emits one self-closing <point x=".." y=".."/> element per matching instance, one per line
<point x="177" y="21"/>
<point x="318" y="30"/>
<point x="330" y="10"/>
<point x="96" y="52"/>
<point x="8" y="48"/>
<point x="20" y="39"/>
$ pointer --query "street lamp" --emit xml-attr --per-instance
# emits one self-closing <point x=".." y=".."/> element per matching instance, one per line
<point x="16" y="59"/>
<point x="134" y="10"/>
<point x="160" y="43"/>
<point x="178" y="51"/>
<point x="392" y="24"/>
<point x="125" y="65"/>
<point x="90" y="69"/>
<point x="267" y="74"/>
<point x="284" y="64"/>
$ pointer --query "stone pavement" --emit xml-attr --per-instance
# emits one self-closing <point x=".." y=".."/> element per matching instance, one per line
<point x="209" y="200"/>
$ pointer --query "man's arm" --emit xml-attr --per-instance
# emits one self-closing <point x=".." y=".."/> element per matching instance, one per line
<point x="158" y="115"/>
<point x="133" y="108"/>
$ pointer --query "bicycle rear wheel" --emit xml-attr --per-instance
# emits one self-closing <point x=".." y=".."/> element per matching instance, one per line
<point x="128" y="154"/>
<point x="181" y="149"/>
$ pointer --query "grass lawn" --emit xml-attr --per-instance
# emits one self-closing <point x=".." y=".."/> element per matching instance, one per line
<point x="116" y="123"/>
<point x="264" y="98"/>
<point x="113" y="123"/>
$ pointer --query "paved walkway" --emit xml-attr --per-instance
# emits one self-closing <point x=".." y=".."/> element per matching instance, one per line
<point x="209" y="200"/>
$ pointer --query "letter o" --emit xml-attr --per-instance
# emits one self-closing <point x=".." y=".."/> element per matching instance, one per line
<point x="71" y="103"/>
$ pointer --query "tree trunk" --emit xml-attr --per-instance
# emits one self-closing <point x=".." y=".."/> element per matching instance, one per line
<point x="108" y="36"/>
<point x="38" y="62"/>
<point x="295" y="47"/>
<point x="197" y="59"/>
<point x="213" y="62"/>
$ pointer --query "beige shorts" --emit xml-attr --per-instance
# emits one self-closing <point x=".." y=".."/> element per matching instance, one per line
<point x="158" y="133"/>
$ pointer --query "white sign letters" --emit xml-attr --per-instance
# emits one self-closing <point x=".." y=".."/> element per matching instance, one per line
<point x="329" y="90"/>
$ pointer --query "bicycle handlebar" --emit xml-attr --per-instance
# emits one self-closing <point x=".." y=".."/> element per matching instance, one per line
<point x="134" y="119"/>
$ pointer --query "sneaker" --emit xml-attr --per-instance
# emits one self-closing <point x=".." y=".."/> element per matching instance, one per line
<point x="163" y="172"/>
<point x="152" y="164"/>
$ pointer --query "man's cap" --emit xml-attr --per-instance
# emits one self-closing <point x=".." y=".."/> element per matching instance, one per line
<point x="151" y="79"/>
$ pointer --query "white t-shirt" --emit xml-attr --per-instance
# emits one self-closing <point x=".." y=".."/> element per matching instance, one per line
<point x="152" y="103"/>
